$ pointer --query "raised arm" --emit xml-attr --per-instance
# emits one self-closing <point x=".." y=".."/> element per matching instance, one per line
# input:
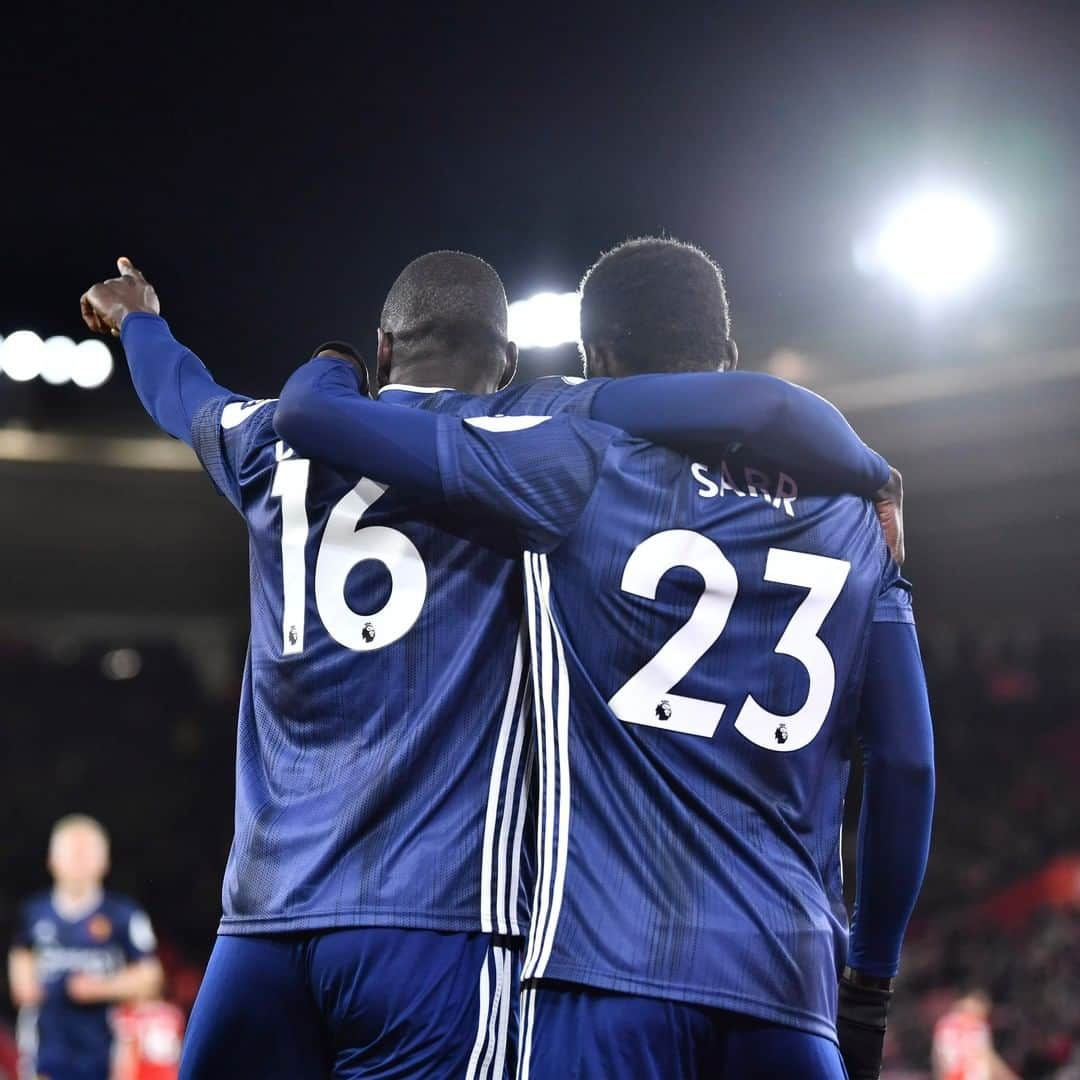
<point x="702" y="413"/>
<point x="896" y="735"/>
<point x="169" y="378"/>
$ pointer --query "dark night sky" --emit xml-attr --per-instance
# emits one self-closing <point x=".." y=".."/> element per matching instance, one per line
<point x="272" y="173"/>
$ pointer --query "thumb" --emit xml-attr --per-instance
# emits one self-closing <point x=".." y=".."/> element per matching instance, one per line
<point x="127" y="268"/>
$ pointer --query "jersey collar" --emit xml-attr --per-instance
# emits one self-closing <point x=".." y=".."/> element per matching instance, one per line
<point x="74" y="913"/>
<point x="413" y="389"/>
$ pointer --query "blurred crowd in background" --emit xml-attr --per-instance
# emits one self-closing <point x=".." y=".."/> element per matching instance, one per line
<point x="1000" y="910"/>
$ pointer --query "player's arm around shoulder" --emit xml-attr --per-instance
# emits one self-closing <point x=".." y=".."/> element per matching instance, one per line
<point x="325" y="414"/>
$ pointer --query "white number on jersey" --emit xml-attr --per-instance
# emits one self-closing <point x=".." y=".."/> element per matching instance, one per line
<point x="290" y="486"/>
<point x="646" y="698"/>
<point x="344" y="545"/>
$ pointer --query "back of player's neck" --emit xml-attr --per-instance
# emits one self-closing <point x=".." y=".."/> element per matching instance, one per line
<point x="444" y="374"/>
<point x="72" y="904"/>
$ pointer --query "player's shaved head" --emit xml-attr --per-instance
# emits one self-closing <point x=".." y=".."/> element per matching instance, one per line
<point x="444" y="323"/>
<point x="655" y="304"/>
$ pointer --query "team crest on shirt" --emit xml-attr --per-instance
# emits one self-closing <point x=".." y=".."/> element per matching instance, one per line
<point x="100" y="928"/>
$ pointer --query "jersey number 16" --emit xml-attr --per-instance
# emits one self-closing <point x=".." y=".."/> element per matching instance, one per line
<point x="344" y="545"/>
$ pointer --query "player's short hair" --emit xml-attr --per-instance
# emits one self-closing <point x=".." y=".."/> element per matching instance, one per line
<point x="84" y="821"/>
<point x="447" y="302"/>
<point x="659" y="303"/>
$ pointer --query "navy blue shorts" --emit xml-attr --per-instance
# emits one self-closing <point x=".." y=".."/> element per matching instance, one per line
<point x="572" y="1032"/>
<point x="368" y="1002"/>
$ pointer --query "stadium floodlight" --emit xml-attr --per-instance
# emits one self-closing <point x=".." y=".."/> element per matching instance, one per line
<point x="92" y="364"/>
<point x="22" y="355"/>
<point x="59" y="360"/>
<point x="545" y="320"/>
<point x="937" y="243"/>
<point x="121" y="664"/>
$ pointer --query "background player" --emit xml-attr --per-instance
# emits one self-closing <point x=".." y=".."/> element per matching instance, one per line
<point x="77" y="952"/>
<point x="403" y="856"/>
<point x="963" y="1045"/>
<point x="149" y="1037"/>
<point x="723" y="889"/>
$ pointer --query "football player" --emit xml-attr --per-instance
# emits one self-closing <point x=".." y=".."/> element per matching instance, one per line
<point x="78" y="952"/>
<point x="374" y="899"/>
<point x="707" y="638"/>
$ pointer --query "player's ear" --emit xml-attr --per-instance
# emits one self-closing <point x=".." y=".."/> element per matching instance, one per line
<point x="731" y="356"/>
<point x="510" y="365"/>
<point x="384" y="358"/>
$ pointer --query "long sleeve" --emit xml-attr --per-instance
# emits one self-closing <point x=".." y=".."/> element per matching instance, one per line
<point x="323" y="415"/>
<point x="170" y="380"/>
<point x="896" y="734"/>
<point x="533" y="473"/>
<point x="700" y="414"/>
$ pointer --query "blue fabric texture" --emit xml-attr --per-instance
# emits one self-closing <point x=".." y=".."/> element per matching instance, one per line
<point x="588" y="1034"/>
<point x="896" y="734"/>
<point x="324" y="416"/>
<point x="384" y="749"/>
<point x="171" y="381"/>
<point x="699" y="806"/>
<point x="698" y="414"/>
<point x="355" y="1003"/>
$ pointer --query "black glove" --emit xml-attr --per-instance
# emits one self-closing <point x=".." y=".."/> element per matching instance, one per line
<point x="343" y="349"/>
<point x="861" y="1018"/>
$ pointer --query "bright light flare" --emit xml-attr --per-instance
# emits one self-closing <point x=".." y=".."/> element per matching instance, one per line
<point x="93" y="364"/>
<point x="121" y="664"/>
<point x="937" y="244"/>
<point x="545" y="320"/>
<point x="58" y="360"/>
<point x="22" y="355"/>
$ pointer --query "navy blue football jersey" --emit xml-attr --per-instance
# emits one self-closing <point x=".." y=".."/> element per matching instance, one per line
<point x="698" y="645"/>
<point x="60" y="1034"/>
<point x="384" y="742"/>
